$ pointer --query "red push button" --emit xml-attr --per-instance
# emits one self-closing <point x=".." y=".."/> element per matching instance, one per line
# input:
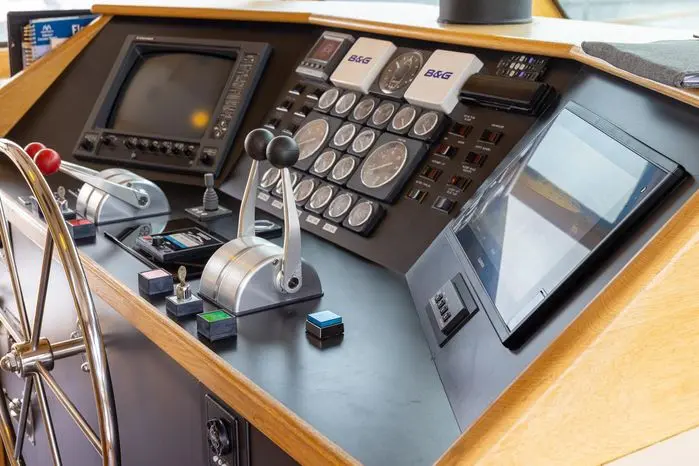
<point x="490" y="137"/>
<point x="474" y="158"/>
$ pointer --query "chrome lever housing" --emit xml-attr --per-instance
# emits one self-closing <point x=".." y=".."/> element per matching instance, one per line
<point x="250" y="274"/>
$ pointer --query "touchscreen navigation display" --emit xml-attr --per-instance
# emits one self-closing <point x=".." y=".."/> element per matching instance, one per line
<point x="549" y="207"/>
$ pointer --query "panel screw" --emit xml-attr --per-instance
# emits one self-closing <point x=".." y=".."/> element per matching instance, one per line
<point x="85" y="367"/>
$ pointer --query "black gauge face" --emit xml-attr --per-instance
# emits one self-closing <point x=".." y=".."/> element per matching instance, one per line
<point x="383" y="113"/>
<point x="270" y="177"/>
<point x="403" y="118"/>
<point x="344" y="135"/>
<point x="384" y="164"/>
<point x="400" y="72"/>
<point x="321" y="197"/>
<point x="360" y="214"/>
<point x="426" y="123"/>
<point x="340" y="205"/>
<point x="343" y="169"/>
<point x="363" y="109"/>
<point x="311" y="137"/>
<point x="345" y="103"/>
<point x="294" y="179"/>
<point x="363" y="141"/>
<point x="303" y="190"/>
<point x="324" y="162"/>
<point x="328" y="98"/>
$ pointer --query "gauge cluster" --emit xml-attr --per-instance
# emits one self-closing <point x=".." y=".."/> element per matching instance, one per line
<point x="387" y="153"/>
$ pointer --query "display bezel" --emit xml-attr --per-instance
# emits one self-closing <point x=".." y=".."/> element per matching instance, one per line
<point x="514" y="337"/>
<point x="133" y="49"/>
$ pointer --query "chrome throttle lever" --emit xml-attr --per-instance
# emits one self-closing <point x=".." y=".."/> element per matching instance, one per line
<point x="134" y="197"/>
<point x="282" y="153"/>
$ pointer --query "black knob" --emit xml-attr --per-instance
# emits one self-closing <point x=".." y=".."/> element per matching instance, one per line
<point x="218" y="436"/>
<point x="282" y="152"/>
<point x="256" y="143"/>
<point x="143" y="144"/>
<point x="130" y="143"/>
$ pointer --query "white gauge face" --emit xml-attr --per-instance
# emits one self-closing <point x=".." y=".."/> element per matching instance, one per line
<point x="324" y="162"/>
<point x="360" y="214"/>
<point x="426" y="123"/>
<point x="340" y="205"/>
<point x="328" y="98"/>
<point x="363" y="141"/>
<point x="384" y="164"/>
<point x="403" y="118"/>
<point x="343" y="169"/>
<point x="270" y="177"/>
<point x="303" y="190"/>
<point x="321" y="197"/>
<point x="311" y="137"/>
<point x="383" y="113"/>
<point x="363" y="109"/>
<point x="294" y="179"/>
<point x="344" y="135"/>
<point x="400" y="72"/>
<point x="344" y="105"/>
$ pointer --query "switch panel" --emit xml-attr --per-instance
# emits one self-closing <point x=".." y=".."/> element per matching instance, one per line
<point x="451" y="305"/>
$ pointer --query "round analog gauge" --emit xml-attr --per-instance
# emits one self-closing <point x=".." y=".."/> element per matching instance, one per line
<point x="404" y="118"/>
<point x="426" y="123"/>
<point x="294" y="179"/>
<point x="343" y="169"/>
<point x="340" y="205"/>
<point x="344" y="135"/>
<point x="384" y="164"/>
<point x="270" y="177"/>
<point x="321" y="197"/>
<point x="360" y="214"/>
<point x="400" y="72"/>
<point x="344" y="105"/>
<point x="383" y="113"/>
<point x="363" y="109"/>
<point x="304" y="189"/>
<point x="324" y="162"/>
<point x="363" y="141"/>
<point x="328" y="98"/>
<point x="311" y="137"/>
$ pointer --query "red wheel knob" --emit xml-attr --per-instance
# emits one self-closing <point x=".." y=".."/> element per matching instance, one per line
<point x="48" y="161"/>
<point x="33" y="148"/>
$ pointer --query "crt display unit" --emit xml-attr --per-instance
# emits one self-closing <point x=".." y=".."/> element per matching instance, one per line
<point x="173" y="104"/>
<point x="550" y="209"/>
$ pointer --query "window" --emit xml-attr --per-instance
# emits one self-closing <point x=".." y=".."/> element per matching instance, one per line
<point x="659" y="13"/>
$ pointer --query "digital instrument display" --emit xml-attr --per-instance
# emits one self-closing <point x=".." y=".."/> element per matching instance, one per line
<point x="171" y="94"/>
<point x="325" y="55"/>
<point x="549" y="207"/>
<point x="324" y="49"/>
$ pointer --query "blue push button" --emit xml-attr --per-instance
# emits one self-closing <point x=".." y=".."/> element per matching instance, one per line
<point x="324" y="319"/>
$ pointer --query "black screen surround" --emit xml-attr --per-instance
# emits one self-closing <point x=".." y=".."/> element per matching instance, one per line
<point x="173" y="104"/>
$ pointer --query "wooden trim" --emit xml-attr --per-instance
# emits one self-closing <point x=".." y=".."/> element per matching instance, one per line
<point x="543" y="36"/>
<point x="291" y="433"/>
<point x="446" y="35"/>
<point x="4" y="70"/>
<point x="688" y="96"/>
<point x="620" y="377"/>
<point x="548" y="8"/>
<point x="204" y="13"/>
<point x="19" y="95"/>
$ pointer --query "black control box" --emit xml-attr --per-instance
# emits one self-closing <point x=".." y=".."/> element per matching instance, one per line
<point x="173" y="104"/>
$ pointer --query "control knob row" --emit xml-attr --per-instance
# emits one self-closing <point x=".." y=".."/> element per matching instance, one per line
<point x="165" y="147"/>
